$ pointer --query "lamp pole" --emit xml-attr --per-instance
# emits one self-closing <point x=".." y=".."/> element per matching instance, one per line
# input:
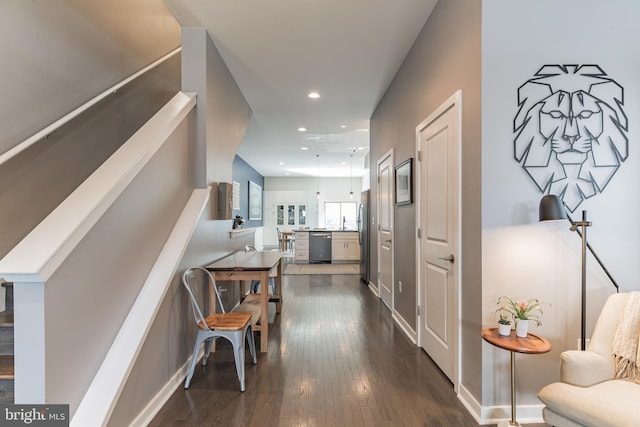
<point x="551" y="208"/>
<point x="583" y="318"/>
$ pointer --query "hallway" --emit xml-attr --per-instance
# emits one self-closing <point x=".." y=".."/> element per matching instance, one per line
<point x="335" y="359"/>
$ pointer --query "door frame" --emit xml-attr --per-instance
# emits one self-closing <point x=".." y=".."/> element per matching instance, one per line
<point x="453" y="102"/>
<point x="388" y="154"/>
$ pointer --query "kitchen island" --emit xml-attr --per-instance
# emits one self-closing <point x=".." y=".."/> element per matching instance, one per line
<point x="345" y="246"/>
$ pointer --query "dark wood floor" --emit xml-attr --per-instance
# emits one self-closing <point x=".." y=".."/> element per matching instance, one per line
<point x="335" y="359"/>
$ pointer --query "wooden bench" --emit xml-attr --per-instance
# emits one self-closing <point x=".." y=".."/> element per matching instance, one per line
<point x="251" y="305"/>
<point x="272" y="297"/>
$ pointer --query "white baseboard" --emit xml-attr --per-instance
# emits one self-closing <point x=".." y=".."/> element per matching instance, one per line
<point x="151" y="410"/>
<point x="525" y="414"/>
<point x="470" y="402"/>
<point x="374" y="289"/>
<point x="406" y="328"/>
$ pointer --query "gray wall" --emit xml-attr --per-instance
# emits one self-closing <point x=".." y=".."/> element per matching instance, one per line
<point x="444" y="58"/>
<point x="58" y="54"/>
<point x="61" y="54"/>
<point x="222" y="113"/>
<point x="525" y="259"/>
<point x="90" y="295"/>
<point x="172" y="334"/>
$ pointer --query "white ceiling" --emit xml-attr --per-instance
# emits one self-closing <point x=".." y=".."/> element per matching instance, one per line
<point x="279" y="50"/>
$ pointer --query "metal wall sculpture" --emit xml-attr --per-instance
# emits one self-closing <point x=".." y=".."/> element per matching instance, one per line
<point x="571" y="131"/>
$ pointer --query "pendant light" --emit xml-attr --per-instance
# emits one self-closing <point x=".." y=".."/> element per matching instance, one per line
<point x="351" y="178"/>
<point x="318" y="192"/>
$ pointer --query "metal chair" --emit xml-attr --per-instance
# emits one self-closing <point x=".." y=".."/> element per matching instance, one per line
<point x="234" y="326"/>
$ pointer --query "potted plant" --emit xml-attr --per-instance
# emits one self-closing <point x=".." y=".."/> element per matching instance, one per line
<point x="504" y="325"/>
<point x="522" y="312"/>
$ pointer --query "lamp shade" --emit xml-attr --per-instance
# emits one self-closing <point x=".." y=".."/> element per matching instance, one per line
<point x="551" y="208"/>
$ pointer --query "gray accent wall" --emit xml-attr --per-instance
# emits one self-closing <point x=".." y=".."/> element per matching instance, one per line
<point x="445" y="57"/>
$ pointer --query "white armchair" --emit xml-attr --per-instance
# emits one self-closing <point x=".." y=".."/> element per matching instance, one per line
<point x="588" y="393"/>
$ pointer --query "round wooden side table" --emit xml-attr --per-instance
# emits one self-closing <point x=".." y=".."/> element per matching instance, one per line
<point x="532" y="344"/>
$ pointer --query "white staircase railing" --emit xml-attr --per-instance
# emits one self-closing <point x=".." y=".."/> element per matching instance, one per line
<point x="99" y="401"/>
<point x="32" y="262"/>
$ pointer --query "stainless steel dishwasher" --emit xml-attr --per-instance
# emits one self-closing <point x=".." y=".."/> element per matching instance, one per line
<point x="319" y="246"/>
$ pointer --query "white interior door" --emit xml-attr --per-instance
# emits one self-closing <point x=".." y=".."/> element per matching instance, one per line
<point x="385" y="229"/>
<point x="438" y="140"/>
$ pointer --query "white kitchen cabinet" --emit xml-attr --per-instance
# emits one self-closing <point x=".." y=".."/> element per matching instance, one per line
<point x="301" y="246"/>
<point x="345" y="246"/>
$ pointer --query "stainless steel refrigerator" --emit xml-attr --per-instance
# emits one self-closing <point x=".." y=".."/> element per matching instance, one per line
<point x="363" y="234"/>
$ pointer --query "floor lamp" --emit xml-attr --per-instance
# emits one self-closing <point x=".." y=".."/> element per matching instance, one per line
<point x="551" y="208"/>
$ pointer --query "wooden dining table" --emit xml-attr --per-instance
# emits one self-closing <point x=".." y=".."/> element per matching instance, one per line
<point x="246" y="266"/>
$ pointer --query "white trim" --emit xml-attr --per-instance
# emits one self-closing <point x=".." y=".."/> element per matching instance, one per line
<point x="42" y="251"/>
<point x="9" y="154"/>
<point x="526" y="414"/>
<point x="157" y="403"/>
<point x="469" y="401"/>
<point x="406" y="328"/>
<point x="105" y="389"/>
<point x="29" y="334"/>
<point x="453" y="102"/>
<point x="373" y="289"/>
<point x="240" y="232"/>
<point x="388" y="154"/>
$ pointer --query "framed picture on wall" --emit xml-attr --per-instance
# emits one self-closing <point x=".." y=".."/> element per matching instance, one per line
<point x="404" y="182"/>
<point x="236" y="196"/>
<point x="255" y="201"/>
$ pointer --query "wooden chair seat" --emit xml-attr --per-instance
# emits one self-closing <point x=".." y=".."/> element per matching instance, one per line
<point x="235" y="321"/>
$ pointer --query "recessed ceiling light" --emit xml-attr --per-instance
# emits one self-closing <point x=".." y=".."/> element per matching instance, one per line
<point x="304" y="148"/>
<point x="281" y="163"/>
<point x="362" y="130"/>
<point x="343" y="126"/>
<point x="360" y="148"/>
<point x="313" y="95"/>
<point x="302" y="129"/>
<point x="343" y="163"/>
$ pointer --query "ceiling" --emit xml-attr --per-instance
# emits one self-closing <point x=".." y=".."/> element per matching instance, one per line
<point x="280" y="50"/>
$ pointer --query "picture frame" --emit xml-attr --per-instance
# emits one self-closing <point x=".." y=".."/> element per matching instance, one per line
<point x="404" y="182"/>
<point x="236" y="196"/>
<point x="255" y="201"/>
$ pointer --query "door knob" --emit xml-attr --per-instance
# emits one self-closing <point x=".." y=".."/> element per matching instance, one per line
<point x="449" y="258"/>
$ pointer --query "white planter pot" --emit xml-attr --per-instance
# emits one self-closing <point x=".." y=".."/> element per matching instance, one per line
<point x="504" y="329"/>
<point x="522" y="328"/>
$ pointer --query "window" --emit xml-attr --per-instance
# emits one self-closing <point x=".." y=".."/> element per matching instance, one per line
<point x="291" y="218"/>
<point x="280" y="214"/>
<point x="340" y="215"/>
<point x="302" y="211"/>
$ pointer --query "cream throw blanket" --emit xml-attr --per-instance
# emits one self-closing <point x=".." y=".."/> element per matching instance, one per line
<point x="626" y="342"/>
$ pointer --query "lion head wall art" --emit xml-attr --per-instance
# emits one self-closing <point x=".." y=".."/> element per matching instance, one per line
<point x="571" y="131"/>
